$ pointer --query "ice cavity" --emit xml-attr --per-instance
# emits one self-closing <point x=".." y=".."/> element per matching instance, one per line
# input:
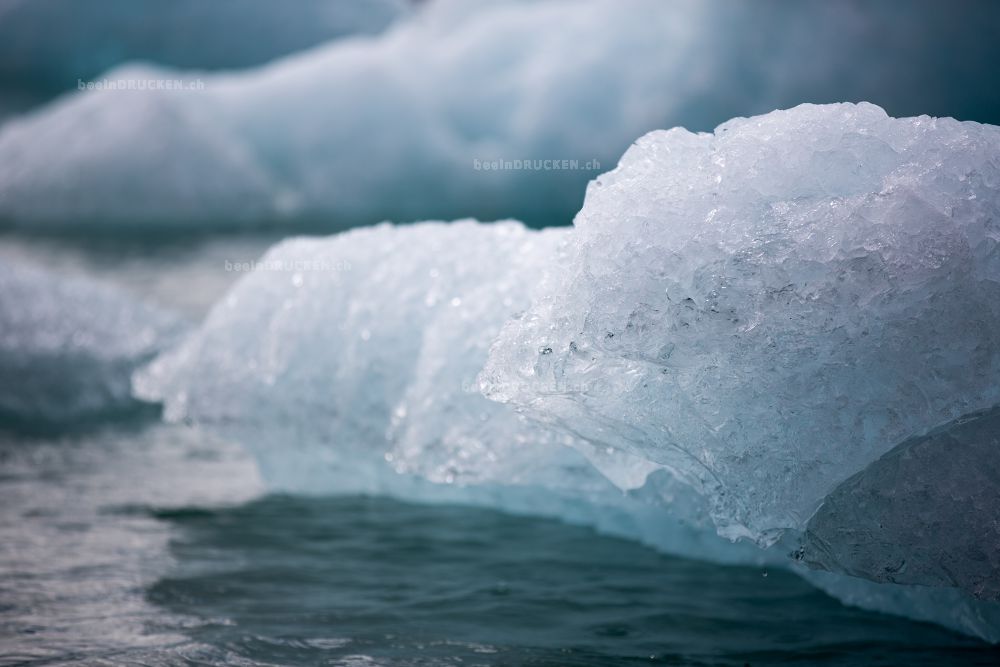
<point x="68" y="346"/>
<point x="392" y="127"/>
<point x="768" y="309"/>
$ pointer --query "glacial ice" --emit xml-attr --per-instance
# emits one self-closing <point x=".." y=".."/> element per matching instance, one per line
<point x="68" y="346"/>
<point x="754" y="332"/>
<point x="348" y="364"/>
<point x="405" y="325"/>
<point x="391" y="127"/>
<point x="925" y="513"/>
<point x="768" y="309"/>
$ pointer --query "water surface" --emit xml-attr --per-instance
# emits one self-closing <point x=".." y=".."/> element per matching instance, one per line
<point x="154" y="545"/>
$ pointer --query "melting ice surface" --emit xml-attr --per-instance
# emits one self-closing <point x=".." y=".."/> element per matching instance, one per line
<point x="739" y="328"/>
<point x="321" y="137"/>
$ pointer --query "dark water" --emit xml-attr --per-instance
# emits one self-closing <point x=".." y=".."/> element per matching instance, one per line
<point x="154" y="546"/>
<point x="371" y="581"/>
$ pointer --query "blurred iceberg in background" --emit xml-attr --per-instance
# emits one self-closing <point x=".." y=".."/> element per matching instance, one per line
<point x="49" y="46"/>
<point x="68" y="347"/>
<point x="409" y="124"/>
<point x="752" y="333"/>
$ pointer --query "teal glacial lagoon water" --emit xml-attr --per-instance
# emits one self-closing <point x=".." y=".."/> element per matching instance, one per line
<point x="155" y="546"/>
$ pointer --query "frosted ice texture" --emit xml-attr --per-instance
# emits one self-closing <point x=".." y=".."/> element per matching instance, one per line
<point x="68" y="346"/>
<point x="768" y="309"/>
<point x="391" y="127"/>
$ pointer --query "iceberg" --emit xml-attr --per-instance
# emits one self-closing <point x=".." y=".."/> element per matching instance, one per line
<point x="768" y="309"/>
<point x="384" y="372"/>
<point x="68" y="347"/>
<point x="484" y="109"/>
<point x="745" y="342"/>
<point x="80" y="45"/>
<point x="348" y="364"/>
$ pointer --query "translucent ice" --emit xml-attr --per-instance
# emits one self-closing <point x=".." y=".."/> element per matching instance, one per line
<point x="348" y="364"/>
<point x="384" y="369"/>
<point x="394" y="127"/>
<point x="925" y="513"/>
<point x="738" y="323"/>
<point x="768" y="309"/>
<point x="68" y="346"/>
